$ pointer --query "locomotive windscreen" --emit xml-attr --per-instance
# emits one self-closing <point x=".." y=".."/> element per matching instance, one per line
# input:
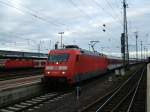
<point x="58" y="57"/>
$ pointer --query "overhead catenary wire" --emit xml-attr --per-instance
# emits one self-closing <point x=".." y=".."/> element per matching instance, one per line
<point x="83" y="12"/>
<point x="38" y="16"/>
<point x="114" y="11"/>
<point x="106" y="12"/>
<point x="22" y="45"/>
<point x="87" y="15"/>
<point x="117" y="3"/>
<point x="36" y="12"/>
<point x="27" y="43"/>
<point x="32" y="13"/>
<point x="19" y="36"/>
<point x="90" y="17"/>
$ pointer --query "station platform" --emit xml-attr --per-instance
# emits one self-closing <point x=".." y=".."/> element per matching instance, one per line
<point x="148" y="87"/>
<point x="16" y="90"/>
<point x="13" y="83"/>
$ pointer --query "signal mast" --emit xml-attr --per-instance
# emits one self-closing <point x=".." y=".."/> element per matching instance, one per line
<point x="124" y="37"/>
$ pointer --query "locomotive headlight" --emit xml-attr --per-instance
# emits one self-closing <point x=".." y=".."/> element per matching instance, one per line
<point x="48" y="72"/>
<point x="63" y="68"/>
<point x="63" y="73"/>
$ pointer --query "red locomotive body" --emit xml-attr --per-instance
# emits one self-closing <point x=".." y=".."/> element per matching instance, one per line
<point x="21" y="62"/>
<point x="18" y="63"/>
<point x="17" y="60"/>
<point x="74" y="65"/>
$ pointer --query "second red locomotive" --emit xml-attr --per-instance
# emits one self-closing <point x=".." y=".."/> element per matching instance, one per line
<point x="17" y="60"/>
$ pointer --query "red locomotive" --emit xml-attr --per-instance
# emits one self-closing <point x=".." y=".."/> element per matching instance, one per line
<point x="15" y="62"/>
<point x="14" y="59"/>
<point x="73" y="64"/>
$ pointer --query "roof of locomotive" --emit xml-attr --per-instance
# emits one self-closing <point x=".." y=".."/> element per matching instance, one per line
<point x="55" y="51"/>
<point x="76" y="50"/>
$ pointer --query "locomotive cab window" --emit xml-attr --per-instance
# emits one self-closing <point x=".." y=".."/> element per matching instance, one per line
<point x="58" y="57"/>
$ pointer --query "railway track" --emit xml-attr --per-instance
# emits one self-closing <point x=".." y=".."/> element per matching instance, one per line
<point x="7" y="75"/>
<point x="138" y="102"/>
<point x="34" y="103"/>
<point x="54" y="99"/>
<point x="129" y="97"/>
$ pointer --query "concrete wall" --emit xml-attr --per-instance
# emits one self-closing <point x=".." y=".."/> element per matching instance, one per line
<point x="20" y="93"/>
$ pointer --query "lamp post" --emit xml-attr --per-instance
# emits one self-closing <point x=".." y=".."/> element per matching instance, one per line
<point x="89" y="46"/>
<point x="39" y="48"/>
<point x="136" y="36"/>
<point x="61" y="33"/>
<point x="148" y="51"/>
<point x="144" y="52"/>
<point x="56" y="45"/>
<point x="141" y="49"/>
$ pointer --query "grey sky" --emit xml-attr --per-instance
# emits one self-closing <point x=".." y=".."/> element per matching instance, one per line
<point x="24" y="24"/>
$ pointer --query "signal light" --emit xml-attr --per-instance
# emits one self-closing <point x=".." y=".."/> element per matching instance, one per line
<point x="122" y="43"/>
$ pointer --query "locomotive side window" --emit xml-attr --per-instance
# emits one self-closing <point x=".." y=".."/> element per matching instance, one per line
<point x="58" y="57"/>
